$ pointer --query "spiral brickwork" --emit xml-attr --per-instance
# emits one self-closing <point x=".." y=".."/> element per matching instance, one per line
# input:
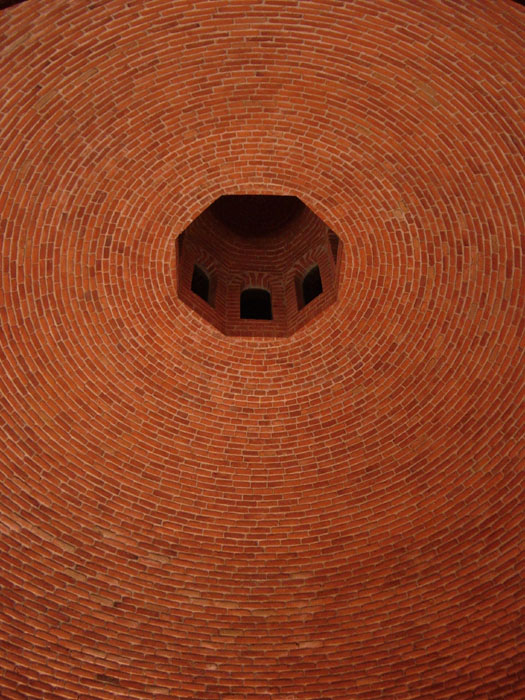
<point x="333" y="515"/>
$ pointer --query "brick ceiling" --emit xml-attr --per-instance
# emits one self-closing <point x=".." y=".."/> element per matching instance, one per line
<point x="334" y="515"/>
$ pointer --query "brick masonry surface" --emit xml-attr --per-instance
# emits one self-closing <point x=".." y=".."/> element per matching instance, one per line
<point x="333" y="515"/>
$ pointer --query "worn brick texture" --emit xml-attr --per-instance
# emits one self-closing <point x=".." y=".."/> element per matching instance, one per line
<point x="334" y="515"/>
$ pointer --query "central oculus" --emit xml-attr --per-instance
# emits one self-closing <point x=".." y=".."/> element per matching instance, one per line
<point x="258" y="265"/>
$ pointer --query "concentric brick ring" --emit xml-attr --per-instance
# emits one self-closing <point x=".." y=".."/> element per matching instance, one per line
<point x="336" y="514"/>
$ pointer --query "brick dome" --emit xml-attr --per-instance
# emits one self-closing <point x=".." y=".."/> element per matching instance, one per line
<point x="333" y="515"/>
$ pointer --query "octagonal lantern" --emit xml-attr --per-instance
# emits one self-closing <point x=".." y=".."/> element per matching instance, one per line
<point x="258" y="265"/>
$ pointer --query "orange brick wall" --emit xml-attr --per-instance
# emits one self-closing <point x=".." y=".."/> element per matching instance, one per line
<point x="336" y="515"/>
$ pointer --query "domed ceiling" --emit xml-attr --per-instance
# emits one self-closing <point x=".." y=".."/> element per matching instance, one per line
<point x="333" y="515"/>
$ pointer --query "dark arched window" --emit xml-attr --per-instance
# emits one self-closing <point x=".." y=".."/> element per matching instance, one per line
<point x="200" y="283"/>
<point x="312" y="285"/>
<point x="334" y="244"/>
<point x="256" y="303"/>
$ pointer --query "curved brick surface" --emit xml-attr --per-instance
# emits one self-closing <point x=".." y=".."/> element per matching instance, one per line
<point x="337" y="514"/>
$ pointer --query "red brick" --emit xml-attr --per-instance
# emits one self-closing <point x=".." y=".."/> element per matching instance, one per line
<point x="334" y="514"/>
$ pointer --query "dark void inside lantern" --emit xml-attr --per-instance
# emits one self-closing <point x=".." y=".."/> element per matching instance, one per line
<point x="200" y="283"/>
<point x="253" y="215"/>
<point x="256" y="303"/>
<point x="4" y="4"/>
<point x="312" y="285"/>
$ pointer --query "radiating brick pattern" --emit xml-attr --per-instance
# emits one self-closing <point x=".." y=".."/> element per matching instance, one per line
<point x="334" y="515"/>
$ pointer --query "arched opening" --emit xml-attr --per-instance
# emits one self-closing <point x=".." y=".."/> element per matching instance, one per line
<point x="334" y="245"/>
<point x="311" y="286"/>
<point x="200" y="283"/>
<point x="256" y="303"/>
